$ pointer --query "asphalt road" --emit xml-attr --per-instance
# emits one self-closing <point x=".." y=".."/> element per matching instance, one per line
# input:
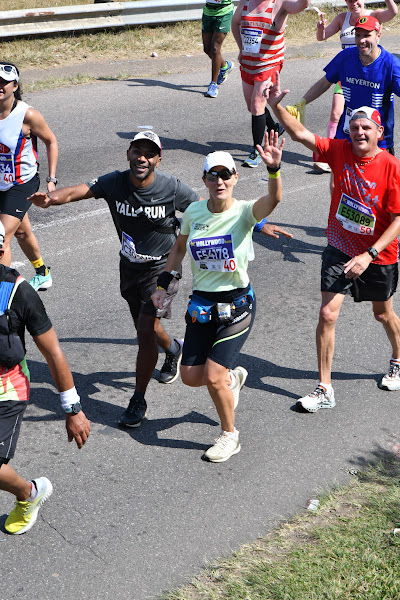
<point x="137" y="512"/>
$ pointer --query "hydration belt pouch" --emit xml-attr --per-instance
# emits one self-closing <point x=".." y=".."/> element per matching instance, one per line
<point x="11" y="348"/>
<point x="204" y="311"/>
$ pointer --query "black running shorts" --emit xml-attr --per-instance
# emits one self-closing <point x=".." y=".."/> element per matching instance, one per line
<point x="11" y="413"/>
<point x="220" y="343"/>
<point x="137" y="286"/>
<point x="378" y="283"/>
<point x="14" y="201"/>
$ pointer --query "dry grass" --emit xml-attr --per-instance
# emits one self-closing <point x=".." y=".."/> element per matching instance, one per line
<point x="139" y="42"/>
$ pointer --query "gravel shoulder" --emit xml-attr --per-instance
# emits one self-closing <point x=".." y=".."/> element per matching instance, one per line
<point x="178" y="64"/>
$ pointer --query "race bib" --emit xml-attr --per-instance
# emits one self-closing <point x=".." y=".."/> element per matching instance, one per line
<point x="128" y="249"/>
<point x="355" y="217"/>
<point x="251" y="40"/>
<point x="346" y="124"/>
<point x="214" y="253"/>
<point x="7" y="172"/>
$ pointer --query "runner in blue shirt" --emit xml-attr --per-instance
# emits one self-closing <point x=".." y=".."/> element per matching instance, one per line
<point x="369" y="75"/>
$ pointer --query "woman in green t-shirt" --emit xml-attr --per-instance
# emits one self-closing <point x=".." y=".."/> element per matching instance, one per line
<point x="217" y="235"/>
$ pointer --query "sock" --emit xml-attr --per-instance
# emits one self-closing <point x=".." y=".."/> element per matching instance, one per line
<point x="258" y="124"/>
<point x="234" y="435"/>
<point x="174" y="348"/>
<point x="39" y="266"/>
<point x="332" y="127"/>
<point x="269" y="120"/>
<point x="33" y="493"/>
<point x="395" y="360"/>
<point x="225" y="65"/>
<point x="327" y="386"/>
<point x="138" y="396"/>
<point x="233" y="379"/>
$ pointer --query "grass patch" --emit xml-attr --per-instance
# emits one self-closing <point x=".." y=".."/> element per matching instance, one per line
<point x="136" y="43"/>
<point x="345" y="551"/>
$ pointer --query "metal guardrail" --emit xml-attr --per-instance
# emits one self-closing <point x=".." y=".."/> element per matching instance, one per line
<point x="42" y="21"/>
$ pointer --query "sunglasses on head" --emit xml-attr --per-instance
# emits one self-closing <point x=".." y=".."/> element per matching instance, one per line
<point x="9" y="69"/>
<point x="224" y="174"/>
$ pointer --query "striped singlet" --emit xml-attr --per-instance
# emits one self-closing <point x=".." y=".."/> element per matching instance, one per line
<point x="18" y="154"/>
<point x="262" y="46"/>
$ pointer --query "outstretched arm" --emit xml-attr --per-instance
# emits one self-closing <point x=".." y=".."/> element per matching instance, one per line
<point x="292" y="126"/>
<point x="271" y="155"/>
<point x="62" y="196"/>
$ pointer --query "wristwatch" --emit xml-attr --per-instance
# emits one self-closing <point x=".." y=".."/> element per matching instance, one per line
<point x="74" y="409"/>
<point x="52" y="180"/>
<point x="373" y="252"/>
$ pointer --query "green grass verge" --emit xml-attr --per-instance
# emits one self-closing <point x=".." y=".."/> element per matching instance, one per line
<point x="344" y="551"/>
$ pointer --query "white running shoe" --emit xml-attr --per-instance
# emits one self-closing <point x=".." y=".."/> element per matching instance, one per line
<point x="241" y="376"/>
<point x="391" y="381"/>
<point x="225" y="447"/>
<point x="322" y="167"/>
<point x="319" y="398"/>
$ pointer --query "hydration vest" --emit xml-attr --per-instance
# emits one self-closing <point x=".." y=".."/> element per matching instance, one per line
<point x="12" y="350"/>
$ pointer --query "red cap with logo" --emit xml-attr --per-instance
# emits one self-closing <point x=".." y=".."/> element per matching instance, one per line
<point x="368" y="23"/>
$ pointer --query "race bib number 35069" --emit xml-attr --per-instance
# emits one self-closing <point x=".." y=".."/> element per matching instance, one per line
<point x="214" y="253"/>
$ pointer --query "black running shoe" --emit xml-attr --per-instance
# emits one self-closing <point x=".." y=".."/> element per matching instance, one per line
<point x="134" y="414"/>
<point x="170" y="369"/>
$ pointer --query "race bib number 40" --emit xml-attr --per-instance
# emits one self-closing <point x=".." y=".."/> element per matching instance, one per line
<point x="355" y="217"/>
<point x="214" y="253"/>
<point x="251" y="40"/>
<point x="7" y="168"/>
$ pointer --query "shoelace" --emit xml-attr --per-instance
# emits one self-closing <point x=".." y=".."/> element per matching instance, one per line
<point x="222" y="440"/>
<point x="318" y="392"/>
<point x="169" y="362"/>
<point x="393" y="369"/>
<point x="134" y="408"/>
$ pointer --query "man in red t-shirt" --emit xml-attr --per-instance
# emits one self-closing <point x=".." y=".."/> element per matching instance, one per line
<point x="363" y="225"/>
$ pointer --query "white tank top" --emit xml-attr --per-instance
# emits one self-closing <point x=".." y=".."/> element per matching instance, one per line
<point x="18" y="154"/>
<point x="347" y="36"/>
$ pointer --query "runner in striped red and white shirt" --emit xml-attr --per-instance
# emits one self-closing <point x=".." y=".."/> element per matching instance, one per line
<point x="258" y="28"/>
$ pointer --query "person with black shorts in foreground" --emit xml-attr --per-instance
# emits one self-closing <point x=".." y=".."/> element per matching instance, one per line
<point x="364" y="222"/>
<point x="20" y="126"/>
<point x="143" y="205"/>
<point x="217" y="235"/>
<point x="24" y="309"/>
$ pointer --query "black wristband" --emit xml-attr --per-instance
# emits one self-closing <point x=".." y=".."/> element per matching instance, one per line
<point x="274" y="169"/>
<point x="164" y="279"/>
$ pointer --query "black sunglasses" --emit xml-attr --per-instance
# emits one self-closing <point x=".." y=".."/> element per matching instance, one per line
<point x="224" y="174"/>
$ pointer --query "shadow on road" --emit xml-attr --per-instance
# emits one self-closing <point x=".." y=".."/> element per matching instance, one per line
<point x="290" y="247"/>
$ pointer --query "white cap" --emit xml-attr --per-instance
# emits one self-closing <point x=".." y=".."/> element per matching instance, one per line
<point x="219" y="159"/>
<point x="367" y="112"/>
<point x="148" y="135"/>
<point x="9" y="73"/>
<point x="2" y="234"/>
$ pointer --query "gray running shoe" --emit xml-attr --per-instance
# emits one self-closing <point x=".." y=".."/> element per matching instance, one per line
<point x="225" y="447"/>
<point x="391" y="381"/>
<point x="319" y="398"/>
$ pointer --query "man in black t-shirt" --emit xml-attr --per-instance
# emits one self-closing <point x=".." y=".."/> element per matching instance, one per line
<point x="143" y="205"/>
<point x="26" y="310"/>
